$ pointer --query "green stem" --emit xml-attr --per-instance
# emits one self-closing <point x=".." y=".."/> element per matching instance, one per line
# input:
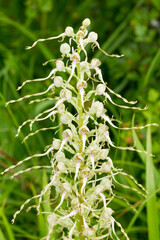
<point x="80" y="124"/>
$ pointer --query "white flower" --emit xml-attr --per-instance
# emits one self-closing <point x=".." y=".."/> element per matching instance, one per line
<point x="86" y="22"/>
<point x="67" y="134"/>
<point x="65" y="48"/>
<point x="58" y="81"/>
<point x="60" y="157"/>
<point x="69" y="32"/>
<point x="100" y="89"/>
<point x="60" y="65"/>
<point x="61" y="167"/>
<point x="92" y="37"/>
<point x="65" y="119"/>
<point x="97" y="108"/>
<point x="56" y="143"/>
<point x="103" y="153"/>
<point x="95" y="63"/>
<point x="61" y="108"/>
<point x="65" y="93"/>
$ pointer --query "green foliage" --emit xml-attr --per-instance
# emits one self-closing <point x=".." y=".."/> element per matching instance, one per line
<point x="131" y="28"/>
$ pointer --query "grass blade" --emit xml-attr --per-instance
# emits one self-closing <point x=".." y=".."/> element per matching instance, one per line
<point x="152" y="216"/>
<point x="2" y="236"/>
<point x="154" y="64"/>
<point x="7" y="225"/>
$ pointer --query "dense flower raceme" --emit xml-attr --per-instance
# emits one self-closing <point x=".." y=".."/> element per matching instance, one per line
<point x="82" y="173"/>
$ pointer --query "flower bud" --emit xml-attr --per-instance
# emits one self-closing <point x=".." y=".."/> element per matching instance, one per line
<point x="81" y="84"/>
<point x="92" y="37"/>
<point x="100" y="89"/>
<point x="60" y="157"/>
<point x="106" y="218"/>
<point x="102" y="128"/>
<point x="65" y="48"/>
<point x="103" y="154"/>
<point x="56" y="143"/>
<point x="80" y="34"/>
<point x="89" y="232"/>
<point x="78" y="157"/>
<point x="69" y="32"/>
<point x="106" y="168"/>
<point x="60" y="65"/>
<point x="99" y="189"/>
<point x="61" y="108"/>
<point x="86" y="22"/>
<point x="67" y="134"/>
<point x="52" y="218"/>
<point x="61" y="167"/>
<point x="66" y="223"/>
<point x="97" y="107"/>
<point x="67" y="187"/>
<point x="65" y="119"/>
<point x="75" y="56"/>
<point x="58" y="81"/>
<point x="107" y="213"/>
<point x="75" y="202"/>
<point x="84" y="66"/>
<point x="84" y="130"/>
<point x="95" y="63"/>
<point x="65" y="93"/>
<point x="106" y="183"/>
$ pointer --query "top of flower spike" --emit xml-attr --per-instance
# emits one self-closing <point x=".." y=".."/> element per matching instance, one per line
<point x="80" y="35"/>
<point x="86" y="22"/>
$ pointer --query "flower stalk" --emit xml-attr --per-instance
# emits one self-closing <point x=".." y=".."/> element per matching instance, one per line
<point x="82" y="173"/>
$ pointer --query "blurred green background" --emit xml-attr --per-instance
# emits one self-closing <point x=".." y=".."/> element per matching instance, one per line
<point x="124" y="27"/>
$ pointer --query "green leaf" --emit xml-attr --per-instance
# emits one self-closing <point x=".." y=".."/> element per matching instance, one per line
<point x="7" y="225"/>
<point x="152" y="211"/>
<point x="2" y="236"/>
<point x="156" y="3"/>
<point x="139" y="145"/>
<point x="154" y="64"/>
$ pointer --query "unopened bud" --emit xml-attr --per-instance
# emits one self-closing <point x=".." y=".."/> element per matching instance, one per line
<point x="100" y="89"/>
<point x="81" y="84"/>
<point x="97" y="107"/>
<point x="84" y="66"/>
<point x="61" y="108"/>
<point x="99" y="189"/>
<point x="80" y="34"/>
<point x="92" y="37"/>
<point x="60" y="65"/>
<point x="67" y="186"/>
<point x="84" y="130"/>
<point x="65" y="48"/>
<point x="106" y="167"/>
<point x="67" y="134"/>
<point x="65" y="119"/>
<point x="86" y="22"/>
<point x="103" y="153"/>
<point x="61" y="167"/>
<point x="69" y="32"/>
<point x="56" y="143"/>
<point x="75" y="202"/>
<point x="107" y="213"/>
<point x="65" y="93"/>
<point x="75" y="56"/>
<point x="89" y="233"/>
<point x="58" y="81"/>
<point x="60" y="157"/>
<point x="78" y="157"/>
<point x="52" y="219"/>
<point x="106" y="183"/>
<point x="95" y="63"/>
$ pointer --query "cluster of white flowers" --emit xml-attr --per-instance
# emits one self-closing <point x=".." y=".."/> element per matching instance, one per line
<point x="83" y="174"/>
